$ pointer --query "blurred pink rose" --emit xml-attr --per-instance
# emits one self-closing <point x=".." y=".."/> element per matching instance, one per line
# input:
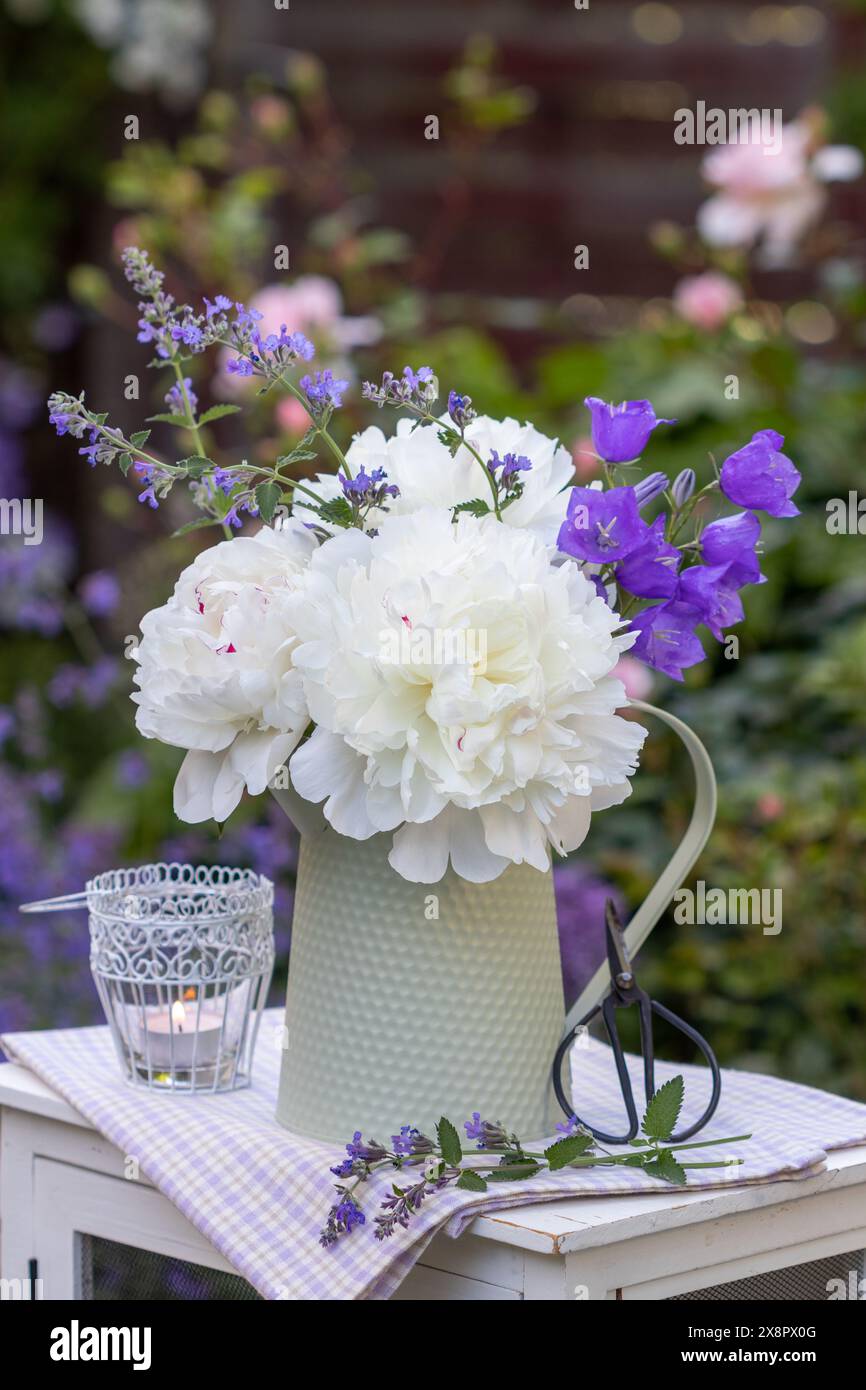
<point x="770" y="806"/>
<point x="291" y="416"/>
<point x="586" y="463"/>
<point x="707" y="301"/>
<point x="771" y="195"/>
<point x="636" y="677"/>
<point x="314" y="305"/>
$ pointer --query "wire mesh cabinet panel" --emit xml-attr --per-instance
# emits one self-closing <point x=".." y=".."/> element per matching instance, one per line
<point x="110" y="1272"/>
<point x="815" y="1281"/>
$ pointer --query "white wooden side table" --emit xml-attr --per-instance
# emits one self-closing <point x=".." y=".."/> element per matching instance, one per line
<point x="62" y="1184"/>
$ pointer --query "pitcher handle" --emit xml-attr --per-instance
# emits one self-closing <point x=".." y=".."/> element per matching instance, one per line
<point x="677" y="868"/>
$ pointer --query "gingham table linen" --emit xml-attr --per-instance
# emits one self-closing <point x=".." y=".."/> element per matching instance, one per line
<point x="260" y="1195"/>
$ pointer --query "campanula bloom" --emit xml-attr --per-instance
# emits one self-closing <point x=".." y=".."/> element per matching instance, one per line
<point x="731" y="541"/>
<point x="620" y="432"/>
<point x="759" y="475"/>
<point x="709" y="589"/>
<point x="602" y="526"/>
<point x="666" y="638"/>
<point x="650" y="570"/>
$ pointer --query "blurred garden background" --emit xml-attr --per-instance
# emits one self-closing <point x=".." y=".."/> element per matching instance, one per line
<point x="454" y="244"/>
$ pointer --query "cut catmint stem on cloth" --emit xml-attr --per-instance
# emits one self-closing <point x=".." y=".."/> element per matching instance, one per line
<point x="432" y="1165"/>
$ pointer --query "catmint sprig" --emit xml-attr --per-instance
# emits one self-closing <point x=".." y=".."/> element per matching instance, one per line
<point x="442" y="1161"/>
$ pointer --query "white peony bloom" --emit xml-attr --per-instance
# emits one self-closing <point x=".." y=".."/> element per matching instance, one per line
<point x="460" y="683"/>
<point x="215" y="672"/>
<point x="427" y="475"/>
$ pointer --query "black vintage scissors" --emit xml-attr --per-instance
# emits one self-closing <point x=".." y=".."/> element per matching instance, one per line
<point x="623" y="993"/>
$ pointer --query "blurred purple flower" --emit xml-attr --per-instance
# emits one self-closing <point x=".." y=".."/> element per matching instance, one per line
<point x="620" y="432"/>
<point x="48" y="784"/>
<point x="55" y="327"/>
<point x="581" y="895"/>
<point x="7" y="723"/>
<point x="133" y="770"/>
<point x="760" y="476"/>
<point x="99" y="593"/>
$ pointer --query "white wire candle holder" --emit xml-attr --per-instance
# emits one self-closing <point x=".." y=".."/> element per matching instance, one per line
<point x="182" y="958"/>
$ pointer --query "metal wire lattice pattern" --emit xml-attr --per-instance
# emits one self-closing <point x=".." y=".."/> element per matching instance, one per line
<point x="812" y="1282"/>
<point x="111" y="1272"/>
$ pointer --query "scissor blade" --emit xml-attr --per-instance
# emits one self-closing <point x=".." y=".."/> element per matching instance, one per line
<point x="617" y="951"/>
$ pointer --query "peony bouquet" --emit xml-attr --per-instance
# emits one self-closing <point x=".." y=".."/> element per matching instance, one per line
<point x="425" y="639"/>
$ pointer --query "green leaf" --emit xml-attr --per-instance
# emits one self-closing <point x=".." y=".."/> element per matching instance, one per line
<point x="125" y="463"/>
<point x="667" y="1168"/>
<point x="196" y="465"/>
<point x="196" y="525"/>
<point x="139" y="438"/>
<point x="471" y="1181"/>
<point x="564" y="1151"/>
<point x="513" y="1172"/>
<point x="477" y="507"/>
<point x="267" y="499"/>
<point x="449" y="1142"/>
<point x="179" y="420"/>
<point x="337" y="511"/>
<point x="217" y="412"/>
<point x="663" y="1111"/>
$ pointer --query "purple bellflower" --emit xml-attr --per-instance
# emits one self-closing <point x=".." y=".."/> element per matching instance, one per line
<point x="759" y="475"/>
<point x="620" y="432"/>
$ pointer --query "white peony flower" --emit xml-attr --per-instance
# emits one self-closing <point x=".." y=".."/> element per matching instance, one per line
<point x="215" y="672"/>
<point x="427" y="475"/>
<point x="460" y="683"/>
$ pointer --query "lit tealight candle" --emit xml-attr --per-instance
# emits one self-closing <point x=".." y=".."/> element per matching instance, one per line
<point x="182" y="1038"/>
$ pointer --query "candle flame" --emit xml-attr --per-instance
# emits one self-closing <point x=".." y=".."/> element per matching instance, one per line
<point x="178" y="1014"/>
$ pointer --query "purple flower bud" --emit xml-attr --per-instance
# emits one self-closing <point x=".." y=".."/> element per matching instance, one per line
<point x="684" y="486"/>
<point x="650" y="487"/>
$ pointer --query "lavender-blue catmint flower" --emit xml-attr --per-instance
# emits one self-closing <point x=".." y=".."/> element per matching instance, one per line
<point x="410" y="1142"/>
<point x="175" y="401"/>
<point x="510" y="464"/>
<point x="368" y="489"/>
<point x="417" y="390"/>
<point x="683" y="488"/>
<point x="490" y="1134"/>
<point x="324" y="392"/>
<point x="460" y="409"/>
<point x="344" y="1216"/>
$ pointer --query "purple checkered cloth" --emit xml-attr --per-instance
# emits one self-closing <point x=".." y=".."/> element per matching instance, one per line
<point x="260" y="1194"/>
